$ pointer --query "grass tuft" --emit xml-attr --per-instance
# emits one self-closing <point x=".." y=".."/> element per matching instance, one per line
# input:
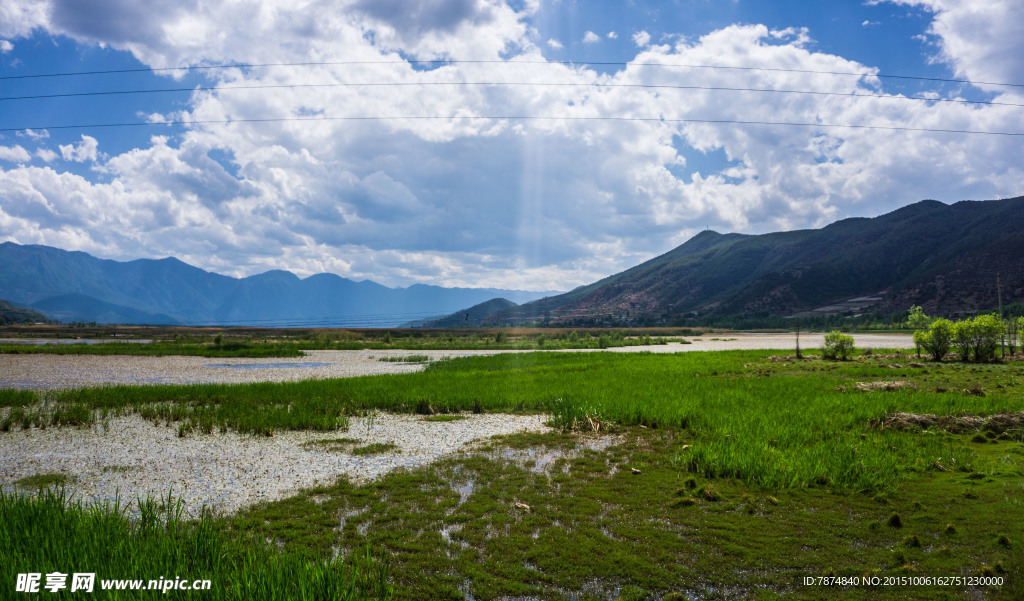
<point x="47" y="480"/>
<point x="376" y="449"/>
<point x="102" y="539"/>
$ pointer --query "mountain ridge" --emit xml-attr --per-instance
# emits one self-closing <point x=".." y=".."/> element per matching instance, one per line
<point x="81" y="287"/>
<point x="943" y="257"/>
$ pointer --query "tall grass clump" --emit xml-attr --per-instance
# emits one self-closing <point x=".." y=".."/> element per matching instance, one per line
<point x="49" y="533"/>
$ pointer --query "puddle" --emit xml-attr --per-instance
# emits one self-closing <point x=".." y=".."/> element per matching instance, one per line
<point x="465" y="490"/>
<point x="540" y="459"/>
<point x="446" y="534"/>
<point x="345" y="516"/>
<point x="466" y="588"/>
<point x="301" y="364"/>
<point x="537" y="458"/>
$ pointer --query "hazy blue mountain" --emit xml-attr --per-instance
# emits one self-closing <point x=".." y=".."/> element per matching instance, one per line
<point x="79" y="307"/>
<point x="75" y="286"/>
<point x="945" y="258"/>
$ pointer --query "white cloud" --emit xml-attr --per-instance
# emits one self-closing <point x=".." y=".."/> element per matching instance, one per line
<point x="85" y="150"/>
<point x="5" y="46"/>
<point x="20" y="18"/>
<point x="14" y="154"/>
<point x="867" y="23"/>
<point x="553" y="43"/>
<point x="40" y="134"/>
<point x="612" y="35"/>
<point x="591" y="38"/>
<point x="980" y="40"/>
<point x="46" y="154"/>
<point x="540" y="204"/>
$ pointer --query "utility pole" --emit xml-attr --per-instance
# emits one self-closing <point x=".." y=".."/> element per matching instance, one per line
<point x="999" y="293"/>
<point x="797" y="320"/>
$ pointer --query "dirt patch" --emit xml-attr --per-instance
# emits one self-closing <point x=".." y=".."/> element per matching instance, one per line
<point x="997" y="423"/>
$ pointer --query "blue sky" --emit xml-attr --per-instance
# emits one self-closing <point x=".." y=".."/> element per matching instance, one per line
<point x="623" y="165"/>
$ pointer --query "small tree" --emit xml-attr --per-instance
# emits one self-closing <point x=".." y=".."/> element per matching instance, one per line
<point x="937" y="339"/>
<point x="963" y="337"/>
<point x="980" y="336"/>
<point x="918" y="322"/>
<point x="837" y="345"/>
<point x="988" y="334"/>
<point x="1018" y="333"/>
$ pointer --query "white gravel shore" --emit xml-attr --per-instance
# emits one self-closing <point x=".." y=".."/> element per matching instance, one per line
<point x="70" y="371"/>
<point x="133" y="458"/>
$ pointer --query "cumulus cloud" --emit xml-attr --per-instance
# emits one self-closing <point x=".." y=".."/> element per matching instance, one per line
<point x="478" y="199"/>
<point x="14" y="154"/>
<point x="46" y="154"/>
<point x="980" y="40"/>
<point x="591" y="38"/>
<point x="85" y="150"/>
<point x="612" y="35"/>
<point x="41" y="134"/>
<point x="553" y="43"/>
<point x="19" y="18"/>
<point x="5" y="46"/>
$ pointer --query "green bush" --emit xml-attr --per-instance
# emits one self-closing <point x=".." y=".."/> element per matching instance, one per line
<point x="963" y="334"/>
<point x="980" y="336"/>
<point x="938" y="339"/>
<point x="918" y="322"/>
<point x="838" y="345"/>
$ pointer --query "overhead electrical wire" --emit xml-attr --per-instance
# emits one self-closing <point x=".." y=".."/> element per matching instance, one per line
<point x="511" y="118"/>
<point x="185" y="122"/>
<point x="497" y="83"/>
<point x="442" y="62"/>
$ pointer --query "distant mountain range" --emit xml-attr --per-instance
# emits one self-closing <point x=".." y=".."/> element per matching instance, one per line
<point x="75" y="286"/>
<point x="945" y="258"/>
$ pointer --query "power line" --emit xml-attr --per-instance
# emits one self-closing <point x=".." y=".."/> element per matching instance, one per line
<point x="499" y="83"/>
<point x="516" y="118"/>
<point x="510" y="62"/>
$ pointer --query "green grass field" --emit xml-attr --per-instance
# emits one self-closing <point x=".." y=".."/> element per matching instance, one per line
<point x="727" y="474"/>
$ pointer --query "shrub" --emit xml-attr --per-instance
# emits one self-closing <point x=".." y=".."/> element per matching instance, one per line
<point x="963" y="334"/>
<point x="838" y="345"/>
<point x="938" y="339"/>
<point x="918" y="322"/>
<point x="980" y="336"/>
<point x="988" y="331"/>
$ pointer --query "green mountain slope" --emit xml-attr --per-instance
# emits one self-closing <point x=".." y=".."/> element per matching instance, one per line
<point x="472" y="316"/>
<point x="12" y="314"/>
<point x="943" y="257"/>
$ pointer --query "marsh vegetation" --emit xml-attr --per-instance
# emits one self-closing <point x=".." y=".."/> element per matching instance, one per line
<point x="734" y="472"/>
<point x="260" y="343"/>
